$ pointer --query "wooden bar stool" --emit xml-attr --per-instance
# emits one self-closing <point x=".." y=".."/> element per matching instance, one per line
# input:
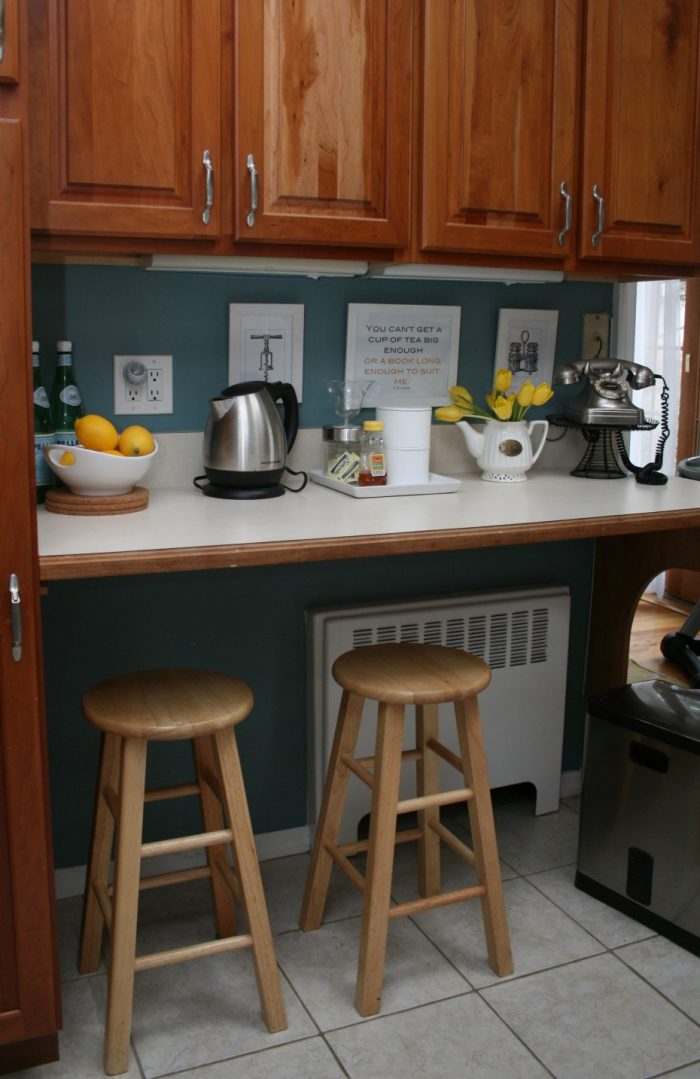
<point x="132" y="710"/>
<point x="396" y="675"/>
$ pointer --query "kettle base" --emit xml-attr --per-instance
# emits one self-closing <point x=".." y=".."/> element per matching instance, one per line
<point x="273" y="490"/>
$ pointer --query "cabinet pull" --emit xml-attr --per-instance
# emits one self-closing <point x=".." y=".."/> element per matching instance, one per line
<point x="15" y="618"/>
<point x="601" y="215"/>
<point x="2" y="30"/>
<point x="250" y="165"/>
<point x="568" y="205"/>
<point x="208" y="186"/>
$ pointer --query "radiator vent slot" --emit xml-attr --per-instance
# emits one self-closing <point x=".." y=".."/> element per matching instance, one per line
<point x="523" y="636"/>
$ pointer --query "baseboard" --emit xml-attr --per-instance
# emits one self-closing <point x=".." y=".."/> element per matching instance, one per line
<point x="570" y="784"/>
<point x="71" y="880"/>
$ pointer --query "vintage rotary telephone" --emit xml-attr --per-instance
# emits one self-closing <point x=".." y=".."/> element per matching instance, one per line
<point x="604" y="403"/>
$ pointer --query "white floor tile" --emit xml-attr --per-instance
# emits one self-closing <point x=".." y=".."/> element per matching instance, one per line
<point x="541" y="935"/>
<point x="204" y="1011"/>
<point x="672" y="970"/>
<point x="596" y="1018"/>
<point x="459" y="1038"/>
<point x="322" y="967"/>
<point x="609" y="926"/>
<point x="529" y="843"/>
<point x="309" y="1059"/>
<point x="284" y="880"/>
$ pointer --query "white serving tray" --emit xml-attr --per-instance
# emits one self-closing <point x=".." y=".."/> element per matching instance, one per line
<point x="436" y="485"/>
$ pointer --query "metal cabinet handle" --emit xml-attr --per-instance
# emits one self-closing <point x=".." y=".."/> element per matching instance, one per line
<point x="208" y="186"/>
<point x="250" y="165"/>
<point x="2" y="30"/>
<point x="568" y="207"/>
<point x="15" y="618"/>
<point x="601" y="215"/>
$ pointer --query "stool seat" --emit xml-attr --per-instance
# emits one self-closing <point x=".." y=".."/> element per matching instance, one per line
<point x="167" y="704"/>
<point x="411" y="673"/>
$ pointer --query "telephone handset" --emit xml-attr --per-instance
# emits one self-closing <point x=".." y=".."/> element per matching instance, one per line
<point x="604" y="402"/>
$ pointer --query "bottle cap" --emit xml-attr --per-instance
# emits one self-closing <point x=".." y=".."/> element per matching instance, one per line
<point x="64" y="346"/>
<point x="373" y="425"/>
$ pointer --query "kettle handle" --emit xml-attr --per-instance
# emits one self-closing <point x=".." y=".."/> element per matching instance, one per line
<point x="284" y="392"/>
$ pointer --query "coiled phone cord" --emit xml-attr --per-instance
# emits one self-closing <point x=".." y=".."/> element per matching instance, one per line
<point x="650" y="473"/>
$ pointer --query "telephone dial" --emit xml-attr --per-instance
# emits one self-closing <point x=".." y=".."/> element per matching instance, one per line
<point x="604" y="404"/>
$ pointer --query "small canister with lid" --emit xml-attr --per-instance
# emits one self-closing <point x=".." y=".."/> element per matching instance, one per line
<point x="341" y="452"/>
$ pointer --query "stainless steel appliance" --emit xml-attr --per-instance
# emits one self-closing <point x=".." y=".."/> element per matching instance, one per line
<point x="639" y="840"/>
<point x="246" y="441"/>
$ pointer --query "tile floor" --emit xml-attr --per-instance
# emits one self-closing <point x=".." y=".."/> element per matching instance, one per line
<point x="593" y="994"/>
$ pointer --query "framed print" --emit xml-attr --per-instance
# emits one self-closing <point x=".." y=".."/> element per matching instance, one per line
<point x="408" y="352"/>
<point x="266" y="343"/>
<point x="525" y="344"/>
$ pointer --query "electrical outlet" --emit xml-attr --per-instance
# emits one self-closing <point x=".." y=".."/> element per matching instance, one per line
<point x="595" y="338"/>
<point x="143" y="385"/>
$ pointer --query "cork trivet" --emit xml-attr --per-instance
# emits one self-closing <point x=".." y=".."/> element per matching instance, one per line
<point x="61" y="500"/>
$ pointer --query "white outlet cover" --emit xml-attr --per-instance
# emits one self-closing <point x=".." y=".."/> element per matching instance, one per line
<point x="131" y="400"/>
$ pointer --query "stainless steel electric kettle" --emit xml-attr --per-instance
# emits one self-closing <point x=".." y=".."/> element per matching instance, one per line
<point x="246" y="442"/>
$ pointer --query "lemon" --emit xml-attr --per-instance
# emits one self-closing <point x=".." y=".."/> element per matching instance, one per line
<point x="114" y="453"/>
<point x="136" y="441"/>
<point x="67" y="458"/>
<point x="96" y="433"/>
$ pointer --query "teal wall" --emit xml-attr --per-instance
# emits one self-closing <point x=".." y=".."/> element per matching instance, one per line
<point x="251" y="621"/>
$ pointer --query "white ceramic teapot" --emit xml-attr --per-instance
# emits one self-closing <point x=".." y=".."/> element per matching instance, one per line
<point x="503" y="449"/>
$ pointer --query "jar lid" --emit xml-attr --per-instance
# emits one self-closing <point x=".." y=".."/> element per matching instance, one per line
<point x="341" y="433"/>
<point x="373" y="425"/>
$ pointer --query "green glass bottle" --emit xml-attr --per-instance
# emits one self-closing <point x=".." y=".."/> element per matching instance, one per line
<point x="66" y="401"/>
<point x="43" y="429"/>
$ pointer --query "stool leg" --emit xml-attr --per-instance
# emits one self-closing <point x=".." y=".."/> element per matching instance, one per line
<point x="319" y="875"/>
<point x="380" y="859"/>
<point x="493" y="910"/>
<point x="127" y="866"/>
<point x="246" y="857"/>
<point x="213" y="818"/>
<point x="427" y="782"/>
<point x="97" y="876"/>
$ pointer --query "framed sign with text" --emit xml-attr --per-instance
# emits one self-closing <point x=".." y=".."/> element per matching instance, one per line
<point x="408" y="352"/>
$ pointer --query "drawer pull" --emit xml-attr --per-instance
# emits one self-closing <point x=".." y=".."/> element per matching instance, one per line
<point x="601" y="215"/>
<point x="568" y="209"/>
<point x="15" y="618"/>
<point x="208" y="186"/>
<point x="250" y="165"/>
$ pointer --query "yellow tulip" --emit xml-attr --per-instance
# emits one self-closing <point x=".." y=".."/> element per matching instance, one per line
<point x="542" y="393"/>
<point x="461" y="396"/>
<point x="525" y="394"/>
<point x="502" y="380"/>
<point x="503" y="407"/>
<point x="449" y="413"/>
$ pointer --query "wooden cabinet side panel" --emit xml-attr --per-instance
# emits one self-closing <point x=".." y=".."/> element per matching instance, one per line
<point x="30" y="1003"/>
<point x="500" y="96"/>
<point x="642" y="130"/>
<point x="323" y="104"/>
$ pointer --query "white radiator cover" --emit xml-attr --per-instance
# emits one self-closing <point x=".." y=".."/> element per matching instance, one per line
<point x="523" y="635"/>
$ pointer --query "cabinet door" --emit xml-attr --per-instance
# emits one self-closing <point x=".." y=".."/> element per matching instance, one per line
<point x="323" y="107"/>
<point x="500" y="87"/>
<point x="29" y="1008"/>
<point x="641" y="134"/>
<point x="125" y="103"/>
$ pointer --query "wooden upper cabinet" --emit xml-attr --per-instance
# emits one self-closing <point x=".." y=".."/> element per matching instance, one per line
<point x="9" y="41"/>
<point x="322" y="102"/>
<point x="500" y="101"/>
<point x="126" y="100"/>
<point x="640" y="148"/>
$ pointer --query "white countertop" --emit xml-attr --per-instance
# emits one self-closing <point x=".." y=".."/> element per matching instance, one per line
<point x="480" y="512"/>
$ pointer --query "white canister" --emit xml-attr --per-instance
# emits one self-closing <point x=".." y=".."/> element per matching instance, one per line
<point x="406" y="426"/>
<point x="405" y="466"/>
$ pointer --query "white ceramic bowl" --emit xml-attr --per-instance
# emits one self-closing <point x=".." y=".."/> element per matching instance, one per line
<point x="96" y="473"/>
